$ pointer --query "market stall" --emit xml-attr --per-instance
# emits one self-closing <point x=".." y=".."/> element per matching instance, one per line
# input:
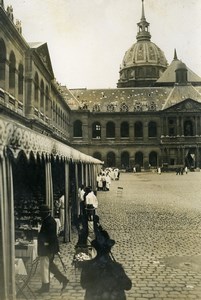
<point x="26" y="181"/>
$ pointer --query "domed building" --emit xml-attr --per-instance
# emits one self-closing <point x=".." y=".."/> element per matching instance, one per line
<point x="151" y="119"/>
<point x="144" y="62"/>
<point x="174" y="72"/>
<point x="51" y="137"/>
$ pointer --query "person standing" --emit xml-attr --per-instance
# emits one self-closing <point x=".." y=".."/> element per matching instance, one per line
<point x="81" y="192"/>
<point x="99" y="182"/>
<point x="91" y="203"/>
<point x="108" y="181"/>
<point x="48" y="246"/>
<point x="62" y="210"/>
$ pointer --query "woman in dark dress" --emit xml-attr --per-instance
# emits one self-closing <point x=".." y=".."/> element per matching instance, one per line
<point x="103" y="277"/>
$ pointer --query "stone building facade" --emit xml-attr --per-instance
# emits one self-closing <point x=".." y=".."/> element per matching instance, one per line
<point x="37" y="161"/>
<point x="52" y="137"/>
<point x="151" y="119"/>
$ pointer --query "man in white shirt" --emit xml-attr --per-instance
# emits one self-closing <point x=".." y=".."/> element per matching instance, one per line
<point x="91" y="202"/>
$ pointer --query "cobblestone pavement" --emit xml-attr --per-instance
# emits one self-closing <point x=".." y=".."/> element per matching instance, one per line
<point x="156" y="224"/>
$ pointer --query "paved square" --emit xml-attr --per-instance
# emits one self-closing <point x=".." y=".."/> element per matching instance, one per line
<point x="156" y="223"/>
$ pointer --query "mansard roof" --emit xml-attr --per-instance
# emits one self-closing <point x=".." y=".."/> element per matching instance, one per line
<point x="133" y="99"/>
<point x="169" y="75"/>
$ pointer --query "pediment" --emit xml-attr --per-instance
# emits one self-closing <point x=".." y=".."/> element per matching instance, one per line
<point x="44" y="55"/>
<point x="187" y="105"/>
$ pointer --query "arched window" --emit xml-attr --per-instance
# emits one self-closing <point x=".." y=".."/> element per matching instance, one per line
<point x="42" y="96"/>
<point x="110" y="130"/>
<point x="47" y="102"/>
<point x="20" y="81"/>
<point x="188" y="128"/>
<point x="111" y="159"/>
<point x="124" y="129"/>
<point x="172" y="126"/>
<point x="96" y="130"/>
<point x="58" y="116"/>
<point x="124" y="107"/>
<point x="152" y="129"/>
<point x="77" y="128"/>
<point x="96" y="107"/>
<point x="139" y="158"/>
<point x="97" y="155"/>
<point x="125" y="160"/>
<point x="2" y="63"/>
<point x="36" y="89"/>
<point x="138" y="129"/>
<point x="62" y="119"/>
<point x="54" y="112"/>
<point x="153" y="159"/>
<point x="12" y="68"/>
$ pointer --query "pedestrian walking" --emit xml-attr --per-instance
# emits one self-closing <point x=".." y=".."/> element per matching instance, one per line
<point x="103" y="277"/>
<point x="48" y="246"/>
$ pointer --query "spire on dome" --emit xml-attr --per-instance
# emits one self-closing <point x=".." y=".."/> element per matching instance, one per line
<point x="175" y="55"/>
<point x="143" y="15"/>
<point x="143" y="25"/>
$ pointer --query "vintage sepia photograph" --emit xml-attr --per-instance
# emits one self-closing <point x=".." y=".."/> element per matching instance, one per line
<point x="100" y="149"/>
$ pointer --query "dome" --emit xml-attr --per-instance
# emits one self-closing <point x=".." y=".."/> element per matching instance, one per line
<point x="144" y="62"/>
<point x="144" y="53"/>
<point x="180" y="66"/>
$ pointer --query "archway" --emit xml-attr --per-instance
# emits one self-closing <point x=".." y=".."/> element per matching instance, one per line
<point x="111" y="159"/>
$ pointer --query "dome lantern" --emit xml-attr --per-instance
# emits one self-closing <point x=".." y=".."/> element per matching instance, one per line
<point x="143" y="27"/>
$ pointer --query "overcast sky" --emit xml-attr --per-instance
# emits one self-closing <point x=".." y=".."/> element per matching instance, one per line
<point x="87" y="39"/>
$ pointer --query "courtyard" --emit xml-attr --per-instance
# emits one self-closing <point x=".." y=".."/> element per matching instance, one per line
<point x="156" y="223"/>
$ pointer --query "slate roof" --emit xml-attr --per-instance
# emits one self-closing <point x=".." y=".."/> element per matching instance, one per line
<point x="122" y="99"/>
<point x="169" y="75"/>
<point x="132" y="99"/>
<point x="181" y="93"/>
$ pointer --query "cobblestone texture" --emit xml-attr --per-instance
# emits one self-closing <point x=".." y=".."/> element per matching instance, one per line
<point x="156" y="223"/>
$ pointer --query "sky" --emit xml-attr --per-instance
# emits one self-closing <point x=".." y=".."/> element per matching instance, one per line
<point x="87" y="39"/>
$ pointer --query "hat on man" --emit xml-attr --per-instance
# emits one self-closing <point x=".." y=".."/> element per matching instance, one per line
<point x="103" y="243"/>
<point x="44" y="208"/>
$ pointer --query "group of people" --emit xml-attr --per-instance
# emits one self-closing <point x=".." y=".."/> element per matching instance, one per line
<point x="88" y="201"/>
<point x="104" y="178"/>
<point x="102" y="276"/>
<point x="181" y="170"/>
<point x="48" y="243"/>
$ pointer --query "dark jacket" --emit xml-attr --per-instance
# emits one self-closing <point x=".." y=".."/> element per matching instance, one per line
<point x="104" y="279"/>
<point x="47" y="237"/>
